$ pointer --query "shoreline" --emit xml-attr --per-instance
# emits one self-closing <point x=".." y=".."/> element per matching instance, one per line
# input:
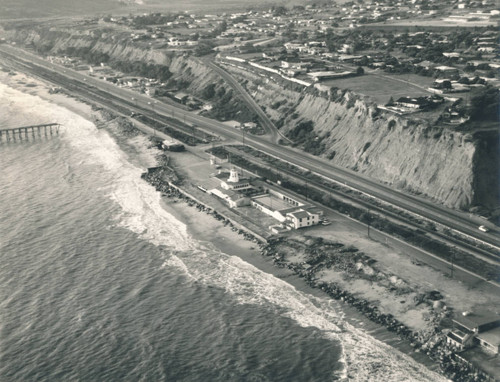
<point x="359" y="313"/>
<point x="202" y="226"/>
<point x="231" y="243"/>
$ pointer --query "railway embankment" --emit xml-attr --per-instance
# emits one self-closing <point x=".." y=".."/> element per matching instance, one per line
<point x="410" y="153"/>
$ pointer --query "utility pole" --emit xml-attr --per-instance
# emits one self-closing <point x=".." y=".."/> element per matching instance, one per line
<point x="369" y="217"/>
<point x="452" y="262"/>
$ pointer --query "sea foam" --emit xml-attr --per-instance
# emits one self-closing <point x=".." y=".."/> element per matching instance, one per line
<point x="140" y="211"/>
<point x="365" y="358"/>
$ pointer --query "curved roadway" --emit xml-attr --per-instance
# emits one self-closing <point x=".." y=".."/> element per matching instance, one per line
<point x="268" y="125"/>
<point x="450" y="218"/>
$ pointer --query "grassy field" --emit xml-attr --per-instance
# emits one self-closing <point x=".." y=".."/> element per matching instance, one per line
<point x="379" y="89"/>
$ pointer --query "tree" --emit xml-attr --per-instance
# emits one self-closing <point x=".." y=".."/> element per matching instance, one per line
<point x="485" y="104"/>
<point x="478" y="80"/>
<point x="279" y="10"/>
<point x="203" y="48"/>
<point x="469" y="68"/>
<point x="290" y="31"/>
<point x="209" y="91"/>
<point x="221" y="27"/>
<point x="446" y="85"/>
<point x="330" y="42"/>
<point x="363" y="61"/>
<point x="491" y="74"/>
<point x="360" y="71"/>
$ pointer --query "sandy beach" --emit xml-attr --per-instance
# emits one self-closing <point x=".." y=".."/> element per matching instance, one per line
<point x="203" y="227"/>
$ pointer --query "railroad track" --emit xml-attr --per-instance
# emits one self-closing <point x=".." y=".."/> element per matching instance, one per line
<point x="419" y="207"/>
<point x="384" y="212"/>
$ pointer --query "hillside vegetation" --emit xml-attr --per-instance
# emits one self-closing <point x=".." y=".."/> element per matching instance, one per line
<point x="449" y="166"/>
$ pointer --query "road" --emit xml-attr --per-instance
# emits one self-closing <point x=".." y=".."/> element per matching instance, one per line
<point x="455" y="220"/>
<point x="267" y="124"/>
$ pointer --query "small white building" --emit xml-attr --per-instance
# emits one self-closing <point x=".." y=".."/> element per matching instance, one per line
<point x="303" y="217"/>
<point x="171" y="144"/>
<point x="459" y="339"/>
<point x="232" y="198"/>
<point x="328" y="75"/>
<point x="250" y="125"/>
<point x="233" y="124"/>
<point x="234" y="182"/>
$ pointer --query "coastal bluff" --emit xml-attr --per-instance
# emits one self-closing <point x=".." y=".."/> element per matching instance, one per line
<point x="444" y="164"/>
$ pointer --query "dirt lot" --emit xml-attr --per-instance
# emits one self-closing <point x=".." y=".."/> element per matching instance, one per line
<point x="457" y="295"/>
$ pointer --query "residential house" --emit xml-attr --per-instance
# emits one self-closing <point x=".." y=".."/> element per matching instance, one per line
<point x="181" y="96"/>
<point x="477" y="322"/>
<point x="303" y="217"/>
<point x="413" y="103"/>
<point x="447" y="70"/>
<point x="484" y="327"/>
<point x="459" y="339"/>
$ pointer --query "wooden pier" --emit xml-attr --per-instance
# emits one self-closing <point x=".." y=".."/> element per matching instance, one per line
<point x="25" y="132"/>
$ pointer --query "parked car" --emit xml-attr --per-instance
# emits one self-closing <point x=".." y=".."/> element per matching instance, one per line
<point x="483" y="228"/>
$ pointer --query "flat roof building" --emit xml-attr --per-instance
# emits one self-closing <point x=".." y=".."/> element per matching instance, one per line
<point x="490" y="340"/>
<point x="477" y="322"/>
<point x="303" y="217"/>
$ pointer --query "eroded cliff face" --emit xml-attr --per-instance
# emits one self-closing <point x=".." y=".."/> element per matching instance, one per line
<point x="117" y="47"/>
<point x="188" y="73"/>
<point x="346" y="129"/>
<point x="408" y="154"/>
<point x="392" y="150"/>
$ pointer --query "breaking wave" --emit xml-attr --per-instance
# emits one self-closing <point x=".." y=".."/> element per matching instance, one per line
<point x="139" y="210"/>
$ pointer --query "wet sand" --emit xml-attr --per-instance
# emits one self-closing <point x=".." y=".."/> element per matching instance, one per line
<point x="205" y="228"/>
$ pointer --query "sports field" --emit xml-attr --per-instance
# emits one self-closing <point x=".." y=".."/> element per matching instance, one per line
<point x="380" y="86"/>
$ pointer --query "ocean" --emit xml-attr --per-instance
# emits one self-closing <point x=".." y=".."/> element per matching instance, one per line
<point x="99" y="283"/>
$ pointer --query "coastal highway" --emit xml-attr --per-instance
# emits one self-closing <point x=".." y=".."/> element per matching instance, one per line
<point x="455" y="220"/>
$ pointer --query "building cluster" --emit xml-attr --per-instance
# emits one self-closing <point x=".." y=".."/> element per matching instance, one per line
<point x="237" y="191"/>
<point x="476" y="329"/>
<point x="311" y="45"/>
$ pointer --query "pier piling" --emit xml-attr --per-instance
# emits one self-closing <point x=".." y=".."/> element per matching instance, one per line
<point x="11" y="134"/>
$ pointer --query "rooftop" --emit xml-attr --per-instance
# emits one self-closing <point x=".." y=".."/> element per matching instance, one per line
<point x="476" y="319"/>
<point x="304" y="212"/>
<point x="491" y="336"/>
<point x="300" y="214"/>
<point x="272" y="202"/>
<point x="455" y="337"/>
